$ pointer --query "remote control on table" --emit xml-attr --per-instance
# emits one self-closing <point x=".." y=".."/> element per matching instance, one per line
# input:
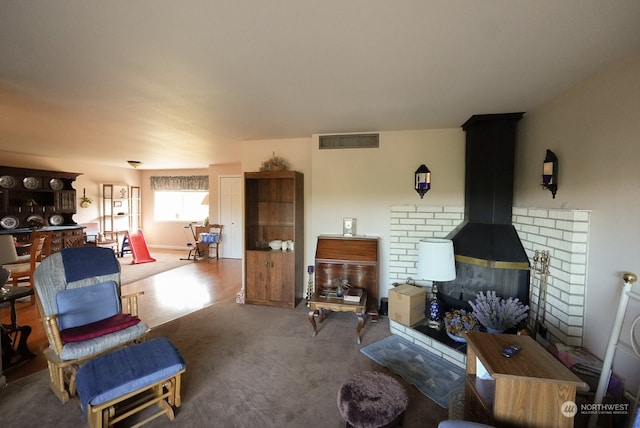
<point x="510" y="351"/>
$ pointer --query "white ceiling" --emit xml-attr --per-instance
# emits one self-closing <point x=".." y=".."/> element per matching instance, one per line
<point x="177" y="84"/>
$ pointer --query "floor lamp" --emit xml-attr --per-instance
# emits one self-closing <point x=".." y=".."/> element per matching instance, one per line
<point x="436" y="263"/>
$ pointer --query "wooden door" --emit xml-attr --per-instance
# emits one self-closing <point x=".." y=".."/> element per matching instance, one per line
<point x="257" y="281"/>
<point x="281" y="278"/>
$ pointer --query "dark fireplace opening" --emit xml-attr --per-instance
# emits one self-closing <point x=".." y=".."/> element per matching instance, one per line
<point x="472" y="279"/>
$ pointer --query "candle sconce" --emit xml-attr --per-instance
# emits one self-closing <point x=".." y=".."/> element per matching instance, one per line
<point x="550" y="173"/>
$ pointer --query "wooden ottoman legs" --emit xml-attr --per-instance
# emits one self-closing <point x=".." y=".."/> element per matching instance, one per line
<point x="104" y="415"/>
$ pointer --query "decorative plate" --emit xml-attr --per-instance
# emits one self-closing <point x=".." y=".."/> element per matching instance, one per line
<point x="9" y="222"/>
<point x="56" y="184"/>
<point x="7" y="181"/>
<point x="35" y="219"/>
<point x="31" y="183"/>
<point x="56" y="220"/>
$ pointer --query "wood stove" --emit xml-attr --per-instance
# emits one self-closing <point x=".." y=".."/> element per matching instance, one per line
<point x="488" y="252"/>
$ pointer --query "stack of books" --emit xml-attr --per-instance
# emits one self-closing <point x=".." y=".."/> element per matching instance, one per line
<point x="353" y="294"/>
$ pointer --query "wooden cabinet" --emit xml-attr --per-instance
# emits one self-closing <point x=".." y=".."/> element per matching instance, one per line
<point x="61" y="237"/>
<point x="267" y="272"/>
<point x="31" y="197"/>
<point x="526" y="390"/>
<point x="46" y="200"/>
<point x="354" y="258"/>
<point x="274" y="209"/>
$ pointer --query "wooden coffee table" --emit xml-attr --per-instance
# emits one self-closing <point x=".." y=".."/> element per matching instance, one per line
<point x="318" y="304"/>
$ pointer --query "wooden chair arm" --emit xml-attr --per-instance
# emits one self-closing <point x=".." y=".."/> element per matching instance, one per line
<point x="130" y="303"/>
<point x="53" y="333"/>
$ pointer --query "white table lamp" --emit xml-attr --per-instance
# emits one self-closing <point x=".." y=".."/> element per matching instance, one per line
<point x="436" y="262"/>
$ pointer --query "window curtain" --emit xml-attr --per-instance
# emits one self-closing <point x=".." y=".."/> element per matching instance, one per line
<point x="180" y="183"/>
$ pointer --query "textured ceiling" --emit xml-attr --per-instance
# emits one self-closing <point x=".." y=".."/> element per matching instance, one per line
<point x="177" y="84"/>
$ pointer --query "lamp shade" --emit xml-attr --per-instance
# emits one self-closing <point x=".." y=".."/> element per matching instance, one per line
<point x="435" y="260"/>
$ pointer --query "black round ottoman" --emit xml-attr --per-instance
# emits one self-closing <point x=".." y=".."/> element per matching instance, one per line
<point x="372" y="400"/>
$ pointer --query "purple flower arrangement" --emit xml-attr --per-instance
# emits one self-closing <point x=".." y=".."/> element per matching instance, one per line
<point x="496" y="313"/>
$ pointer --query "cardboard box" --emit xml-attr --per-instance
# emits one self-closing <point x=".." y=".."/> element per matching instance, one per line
<point x="407" y="304"/>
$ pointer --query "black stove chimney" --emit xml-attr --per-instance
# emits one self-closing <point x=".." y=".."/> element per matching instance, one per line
<point x="488" y="251"/>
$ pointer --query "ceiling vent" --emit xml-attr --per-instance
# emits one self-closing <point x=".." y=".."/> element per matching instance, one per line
<point x="349" y="141"/>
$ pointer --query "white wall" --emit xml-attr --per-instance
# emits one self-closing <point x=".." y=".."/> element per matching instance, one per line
<point x="594" y="129"/>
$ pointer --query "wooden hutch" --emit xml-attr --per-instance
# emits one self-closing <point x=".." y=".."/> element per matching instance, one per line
<point x="274" y="209"/>
<point x="44" y="199"/>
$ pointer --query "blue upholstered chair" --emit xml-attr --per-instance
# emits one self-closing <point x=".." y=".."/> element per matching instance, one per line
<point x="83" y="312"/>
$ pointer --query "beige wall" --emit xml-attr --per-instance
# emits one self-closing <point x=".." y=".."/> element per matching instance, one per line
<point x="365" y="183"/>
<point x="215" y="171"/>
<point x="594" y="130"/>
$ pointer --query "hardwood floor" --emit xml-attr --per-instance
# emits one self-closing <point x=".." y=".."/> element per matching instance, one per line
<point x="167" y="296"/>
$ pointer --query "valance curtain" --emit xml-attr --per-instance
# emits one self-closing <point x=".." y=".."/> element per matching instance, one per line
<point x="179" y="183"/>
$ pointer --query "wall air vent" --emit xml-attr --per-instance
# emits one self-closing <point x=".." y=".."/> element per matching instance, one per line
<point x="349" y="141"/>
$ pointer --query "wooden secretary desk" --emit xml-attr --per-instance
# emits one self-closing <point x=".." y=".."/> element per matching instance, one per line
<point x="352" y="257"/>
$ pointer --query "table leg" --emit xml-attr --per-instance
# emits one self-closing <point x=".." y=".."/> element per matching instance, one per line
<point x="14" y="317"/>
<point x="312" y="320"/>
<point x="360" y="325"/>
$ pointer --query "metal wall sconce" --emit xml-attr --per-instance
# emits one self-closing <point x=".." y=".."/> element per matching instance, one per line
<point x="550" y="173"/>
<point x="422" y="180"/>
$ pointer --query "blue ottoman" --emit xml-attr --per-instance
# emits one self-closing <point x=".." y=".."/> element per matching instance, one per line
<point x="106" y="381"/>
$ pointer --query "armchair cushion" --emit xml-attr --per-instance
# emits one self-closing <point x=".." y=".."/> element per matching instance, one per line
<point x="77" y="306"/>
<point x="97" y="345"/>
<point x="99" y="328"/>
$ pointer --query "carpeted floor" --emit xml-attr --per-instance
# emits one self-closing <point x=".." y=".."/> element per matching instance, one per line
<point x="247" y="366"/>
<point x="165" y="260"/>
<point x="433" y="376"/>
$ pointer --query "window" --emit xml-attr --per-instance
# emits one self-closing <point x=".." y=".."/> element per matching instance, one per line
<point x="180" y="206"/>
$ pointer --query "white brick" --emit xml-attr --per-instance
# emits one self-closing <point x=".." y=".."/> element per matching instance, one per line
<point x="519" y="211"/>
<point x="422" y="215"/>
<point x="534" y="212"/>
<point x="459" y="210"/>
<point x="575" y="236"/>
<point x="581" y="227"/>
<point x="403" y="208"/>
<point x="530" y="229"/>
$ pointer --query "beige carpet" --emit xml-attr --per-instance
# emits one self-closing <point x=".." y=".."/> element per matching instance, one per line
<point x="165" y="260"/>
<point x="247" y="366"/>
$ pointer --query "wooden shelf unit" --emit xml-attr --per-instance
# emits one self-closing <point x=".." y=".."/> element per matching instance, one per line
<point x="274" y="209"/>
<point x="526" y="390"/>
<point x="121" y="210"/>
<point x="352" y="257"/>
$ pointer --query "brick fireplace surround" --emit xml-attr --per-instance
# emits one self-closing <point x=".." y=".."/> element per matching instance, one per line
<point x="565" y="233"/>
